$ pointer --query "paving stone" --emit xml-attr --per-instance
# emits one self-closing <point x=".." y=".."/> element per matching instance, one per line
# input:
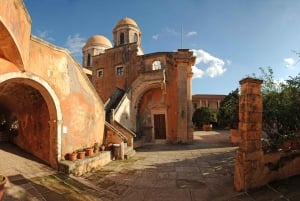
<point x="264" y="193"/>
<point x="167" y="194"/>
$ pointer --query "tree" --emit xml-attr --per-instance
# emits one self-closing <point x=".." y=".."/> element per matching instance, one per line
<point x="281" y="107"/>
<point x="228" y="112"/>
<point x="202" y="116"/>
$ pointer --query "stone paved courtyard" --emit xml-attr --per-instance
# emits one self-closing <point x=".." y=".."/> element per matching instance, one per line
<point x="202" y="171"/>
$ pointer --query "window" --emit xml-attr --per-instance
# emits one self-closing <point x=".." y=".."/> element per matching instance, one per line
<point x="88" y="62"/>
<point x="156" y="65"/>
<point x="122" y="38"/>
<point x="100" y="73"/>
<point x="120" y="71"/>
<point x="135" y="37"/>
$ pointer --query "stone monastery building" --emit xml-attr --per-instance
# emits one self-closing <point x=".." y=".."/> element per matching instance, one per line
<point x="149" y="94"/>
<point x="50" y="105"/>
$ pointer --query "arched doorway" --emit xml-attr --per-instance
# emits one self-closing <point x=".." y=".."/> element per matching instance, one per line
<point x="28" y="115"/>
<point x="152" y="115"/>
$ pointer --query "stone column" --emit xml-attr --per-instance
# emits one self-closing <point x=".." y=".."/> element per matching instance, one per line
<point x="190" y="129"/>
<point x="184" y="60"/>
<point x="182" y="102"/>
<point x="249" y="156"/>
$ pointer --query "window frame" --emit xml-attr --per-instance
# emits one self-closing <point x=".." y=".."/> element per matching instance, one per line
<point x="122" y="38"/>
<point x="121" y="72"/>
<point x="100" y="70"/>
<point x="88" y="60"/>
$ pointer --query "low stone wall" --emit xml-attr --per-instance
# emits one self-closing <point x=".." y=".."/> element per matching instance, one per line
<point x="280" y="165"/>
<point x="81" y="166"/>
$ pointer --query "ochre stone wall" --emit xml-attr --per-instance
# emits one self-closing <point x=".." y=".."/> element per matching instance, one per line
<point x="113" y="58"/>
<point x="15" y="27"/>
<point x="56" y="108"/>
<point x="82" y="110"/>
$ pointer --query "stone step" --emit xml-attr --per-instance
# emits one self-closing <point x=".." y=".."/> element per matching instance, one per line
<point x="129" y="152"/>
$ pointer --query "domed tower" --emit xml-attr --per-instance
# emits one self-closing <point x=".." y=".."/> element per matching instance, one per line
<point x="127" y="31"/>
<point x="95" y="45"/>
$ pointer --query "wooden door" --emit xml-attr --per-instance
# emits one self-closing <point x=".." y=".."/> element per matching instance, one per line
<point x="159" y="126"/>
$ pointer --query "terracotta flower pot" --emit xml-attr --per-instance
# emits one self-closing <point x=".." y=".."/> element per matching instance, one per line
<point x="81" y="154"/>
<point x="89" y="151"/>
<point x="72" y="156"/>
<point x="206" y="127"/>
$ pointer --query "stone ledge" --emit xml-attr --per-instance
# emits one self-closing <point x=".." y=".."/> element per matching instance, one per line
<point x="81" y="166"/>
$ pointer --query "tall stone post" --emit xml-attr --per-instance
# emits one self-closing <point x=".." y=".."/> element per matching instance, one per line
<point x="184" y="62"/>
<point x="249" y="156"/>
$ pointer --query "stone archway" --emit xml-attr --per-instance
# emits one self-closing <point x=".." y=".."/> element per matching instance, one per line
<point x="32" y="114"/>
<point x="150" y="105"/>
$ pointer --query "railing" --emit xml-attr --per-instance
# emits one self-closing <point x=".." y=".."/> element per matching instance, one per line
<point x="123" y="137"/>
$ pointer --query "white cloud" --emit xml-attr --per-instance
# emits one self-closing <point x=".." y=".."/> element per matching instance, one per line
<point x="45" y="35"/>
<point x="155" y="37"/>
<point x="197" y="72"/>
<point x="213" y="66"/>
<point x="191" y="33"/>
<point x="289" y="62"/>
<point x="75" y="43"/>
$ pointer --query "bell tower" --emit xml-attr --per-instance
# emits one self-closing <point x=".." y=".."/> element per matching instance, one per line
<point x="127" y="31"/>
<point x="95" y="45"/>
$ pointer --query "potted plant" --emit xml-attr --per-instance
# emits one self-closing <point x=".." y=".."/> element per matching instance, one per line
<point x="96" y="147"/>
<point x="89" y="151"/>
<point x="80" y="153"/>
<point x="3" y="181"/>
<point x="72" y="156"/>
<point x="203" y="117"/>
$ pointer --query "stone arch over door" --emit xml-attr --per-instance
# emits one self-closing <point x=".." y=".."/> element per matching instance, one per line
<point x="37" y="114"/>
<point x="149" y="103"/>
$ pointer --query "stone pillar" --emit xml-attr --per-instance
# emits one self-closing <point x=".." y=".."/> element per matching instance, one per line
<point x="184" y="61"/>
<point x="249" y="156"/>
<point x="190" y="129"/>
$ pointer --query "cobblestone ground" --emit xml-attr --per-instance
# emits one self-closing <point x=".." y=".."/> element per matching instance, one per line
<point x="202" y="171"/>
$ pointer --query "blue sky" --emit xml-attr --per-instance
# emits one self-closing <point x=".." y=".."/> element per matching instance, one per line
<point x="231" y="38"/>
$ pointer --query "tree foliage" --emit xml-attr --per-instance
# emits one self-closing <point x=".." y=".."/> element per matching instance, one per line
<point x="281" y="105"/>
<point x="228" y="112"/>
<point x="202" y="116"/>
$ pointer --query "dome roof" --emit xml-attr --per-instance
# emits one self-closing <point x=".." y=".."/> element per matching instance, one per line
<point x="98" y="40"/>
<point x="126" y="21"/>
